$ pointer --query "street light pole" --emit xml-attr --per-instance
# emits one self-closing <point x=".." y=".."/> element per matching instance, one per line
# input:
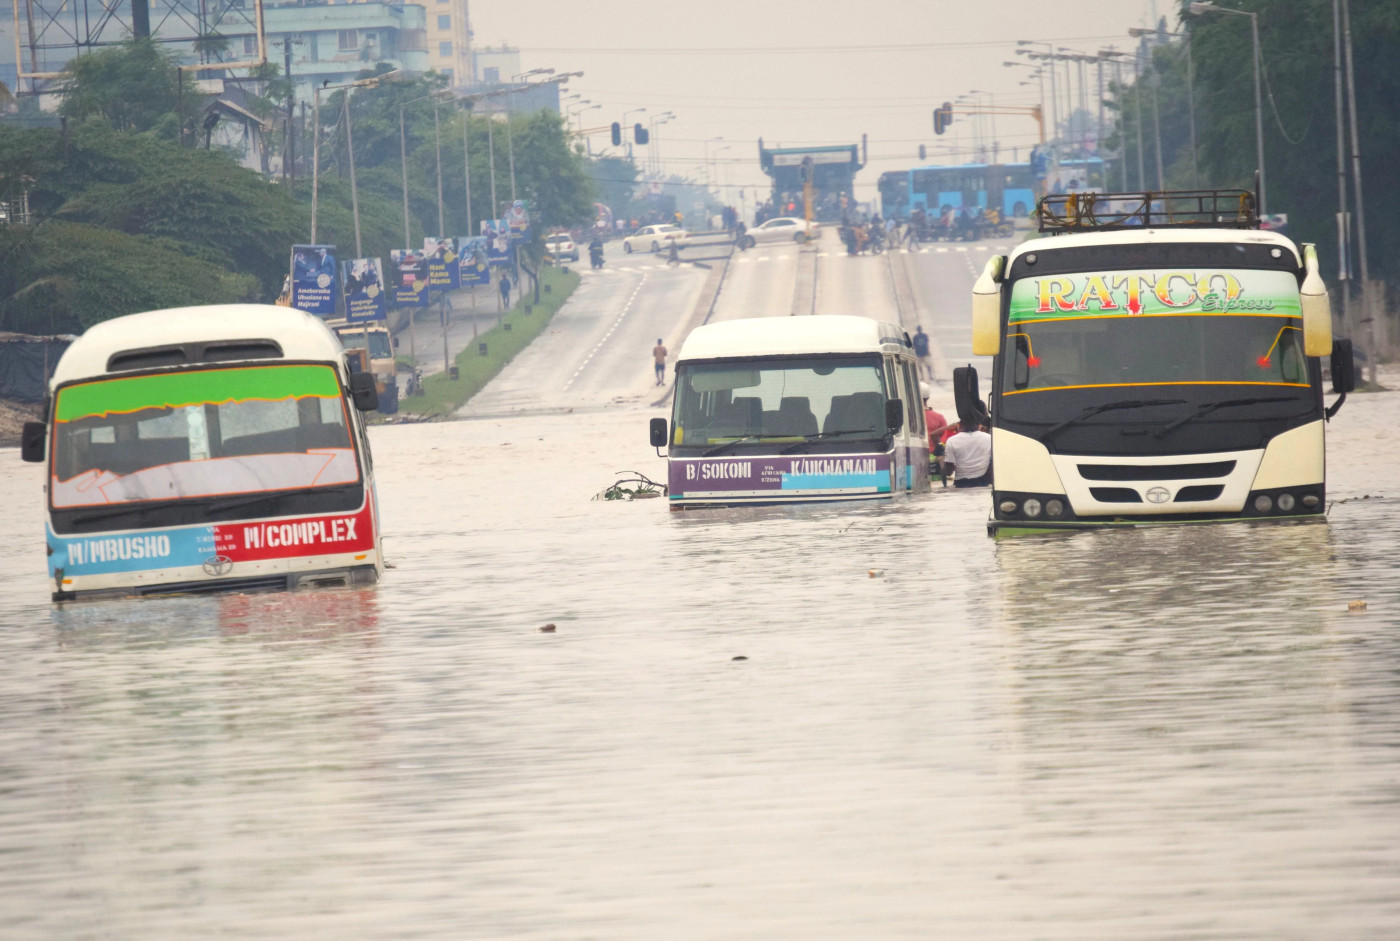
<point x="1367" y="309"/>
<point x="1198" y="9"/>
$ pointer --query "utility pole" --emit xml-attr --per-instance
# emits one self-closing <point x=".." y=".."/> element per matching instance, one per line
<point x="1368" y="316"/>
<point x="1343" y="219"/>
<point x="289" y="166"/>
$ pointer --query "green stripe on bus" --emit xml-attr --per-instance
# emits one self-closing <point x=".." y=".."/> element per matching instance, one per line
<point x="176" y="390"/>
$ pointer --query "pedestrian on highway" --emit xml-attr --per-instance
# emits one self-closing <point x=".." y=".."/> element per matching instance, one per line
<point x="505" y="292"/>
<point x="658" y="354"/>
<point x="921" y="351"/>
<point x="675" y="257"/>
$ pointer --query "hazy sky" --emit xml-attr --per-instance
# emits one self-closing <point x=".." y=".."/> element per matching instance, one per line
<point x="801" y="71"/>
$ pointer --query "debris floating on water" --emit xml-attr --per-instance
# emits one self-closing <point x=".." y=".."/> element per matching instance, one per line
<point x="637" y="487"/>
<point x="740" y="657"/>
<point x="877" y="573"/>
<point x="1357" y="605"/>
<point x="547" y="629"/>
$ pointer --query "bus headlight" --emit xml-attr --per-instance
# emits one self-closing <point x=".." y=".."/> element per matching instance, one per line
<point x="1286" y="502"/>
<point x="1054" y="508"/>
<point x="1263" y="503"/>
<point x="1031" y="507"/>
<point x="1311" y="500"/>
<point x="1008" y="506"/>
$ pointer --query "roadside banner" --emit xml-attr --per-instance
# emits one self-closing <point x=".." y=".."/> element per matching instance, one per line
<point x="410" y="277"/>
<point x="362" y="280"/>
<point x="518" y="220"/>
<point x="315" y="280"/>
<point x="497" y="235"/>
<point x="443" y="273"/>
<point x="472" y="264"/>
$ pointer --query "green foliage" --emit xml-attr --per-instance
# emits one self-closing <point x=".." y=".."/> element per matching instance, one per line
<point x="128" y="217"/>
<point x="1300" y="139"/>
<point x="130" y="86"/>
<point x="65" y="277"/>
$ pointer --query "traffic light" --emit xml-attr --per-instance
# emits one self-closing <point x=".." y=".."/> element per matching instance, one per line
<point x="617" y="134"/>
<point x="640" y="134"/>
<point x="923" y="152"/>
<point x="942" y="117"/>
<point x="805" y="171"/>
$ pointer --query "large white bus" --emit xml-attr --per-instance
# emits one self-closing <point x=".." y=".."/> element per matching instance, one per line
<point x="207" y="449"/>
<point x="1156" y="359"/>
<point x="782" y="409"/>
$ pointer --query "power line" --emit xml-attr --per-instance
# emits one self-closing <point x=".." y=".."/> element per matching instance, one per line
<point x="883" y="49"/>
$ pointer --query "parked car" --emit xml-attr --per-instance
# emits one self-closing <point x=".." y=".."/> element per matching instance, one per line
<point x="562" y="246"/>
<point x="783" y="229"/>
<point x="653" y="238"/>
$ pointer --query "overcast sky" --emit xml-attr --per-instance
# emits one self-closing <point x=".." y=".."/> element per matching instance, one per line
<point x="800" y="72"/>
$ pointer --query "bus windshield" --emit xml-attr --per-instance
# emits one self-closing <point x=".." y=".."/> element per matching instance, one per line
<point x="1179" y="329"/>
<point x="379" y="345"/>
<point x="788" y="398"/>
<point x="200" y="433"/>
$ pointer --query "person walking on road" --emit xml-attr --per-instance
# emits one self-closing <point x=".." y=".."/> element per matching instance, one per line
<point x="505" y="292"/>
<point x="920" y="340"/>
<point x="658" y="354"/>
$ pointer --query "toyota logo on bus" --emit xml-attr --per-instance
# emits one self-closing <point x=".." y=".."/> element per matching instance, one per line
<point x="218" y="565"/>
<point x="1158" y="495"/>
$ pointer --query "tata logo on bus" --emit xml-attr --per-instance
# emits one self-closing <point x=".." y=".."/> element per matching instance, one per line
<point x="1131" y="293"/>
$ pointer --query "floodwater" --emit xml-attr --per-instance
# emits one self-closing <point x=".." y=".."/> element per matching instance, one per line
<point x="1167" y="733"/>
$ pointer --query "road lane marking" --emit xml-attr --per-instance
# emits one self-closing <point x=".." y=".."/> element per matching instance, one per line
<point x="941" y="250"/>
<point x="626" y="307"/>
<point x="961" y="248"/>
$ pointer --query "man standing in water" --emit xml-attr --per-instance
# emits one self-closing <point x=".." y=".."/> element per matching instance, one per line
<point x="658" y="354"/>
<point x="969" y="455"/>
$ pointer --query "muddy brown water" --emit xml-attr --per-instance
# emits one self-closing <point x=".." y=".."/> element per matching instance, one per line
<point x="1163" y="733"/>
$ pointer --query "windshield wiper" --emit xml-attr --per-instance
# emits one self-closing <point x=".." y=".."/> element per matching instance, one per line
<point x="720" y="449"/>
<point x="808" y="439"/>
<point x="1209" y="407"/>
<point x="234" y="504"/>
<point x="1108" y="407"/>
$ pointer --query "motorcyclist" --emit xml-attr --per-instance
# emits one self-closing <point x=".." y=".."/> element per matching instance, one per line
<point x="595" y="251"/>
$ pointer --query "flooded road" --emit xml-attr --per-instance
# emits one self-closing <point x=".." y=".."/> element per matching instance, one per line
<point x="1170" y="733"/>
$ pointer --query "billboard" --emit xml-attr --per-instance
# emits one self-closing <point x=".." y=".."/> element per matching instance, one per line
<point x="443" y="273"/>
<point x="518" y="220"/>
<point x="410" y="277"/>
<point x="497" y="234"/>
<point x="472" y="264"/>
<point x="362" y="280"/>
<point x="315" y="280"/>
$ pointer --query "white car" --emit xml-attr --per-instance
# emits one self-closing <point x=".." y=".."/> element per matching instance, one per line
<point x="653" y="238"/>
<point x="782" y="229"/>
<point x="562" y="247"/>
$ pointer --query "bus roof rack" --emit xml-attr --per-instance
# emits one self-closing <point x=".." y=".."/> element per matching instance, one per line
<point x="1099" y="212"/>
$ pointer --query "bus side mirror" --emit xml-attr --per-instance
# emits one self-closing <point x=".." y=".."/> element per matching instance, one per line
<point x="1317" y="309"/>
<point x="967" y="397"/>
<point x="894" y="414"/>
<point x="986" y="308"/>
<point x="658" y="433"/>
<point x="1343" y="367"/>
<point x="31" y="441"/>
<point x="363" y="392"/>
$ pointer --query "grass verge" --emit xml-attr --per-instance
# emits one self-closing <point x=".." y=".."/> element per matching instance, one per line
<point x="443" y="396"/>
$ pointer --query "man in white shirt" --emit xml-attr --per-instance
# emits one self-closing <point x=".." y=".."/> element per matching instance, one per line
<point x="968" y="454"/>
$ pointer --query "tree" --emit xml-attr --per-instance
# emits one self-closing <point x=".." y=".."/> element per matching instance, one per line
<point x="132" y="86"/>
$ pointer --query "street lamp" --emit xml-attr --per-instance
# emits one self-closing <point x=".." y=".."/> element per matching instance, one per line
<point x="1138" y="32"/>
<point x="1054" y="103"/>
<point x="1200" y="9"/>
<point x="403" y="157"/>
<point x="372" y="82"/>
<point x="653" y="158"/>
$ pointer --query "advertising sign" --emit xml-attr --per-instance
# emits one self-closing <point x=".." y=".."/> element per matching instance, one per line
<point x="315" y="280"/>
<point x="363" y="283"/>
<point x="518" y="219"/>
<point x="497" y="235"/>
<point x="472" y="263"/>
<point x="443" y="272"/>
<point x="410" y="277"/>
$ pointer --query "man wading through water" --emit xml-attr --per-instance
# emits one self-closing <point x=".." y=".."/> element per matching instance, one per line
<point x="658" y="353"/>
